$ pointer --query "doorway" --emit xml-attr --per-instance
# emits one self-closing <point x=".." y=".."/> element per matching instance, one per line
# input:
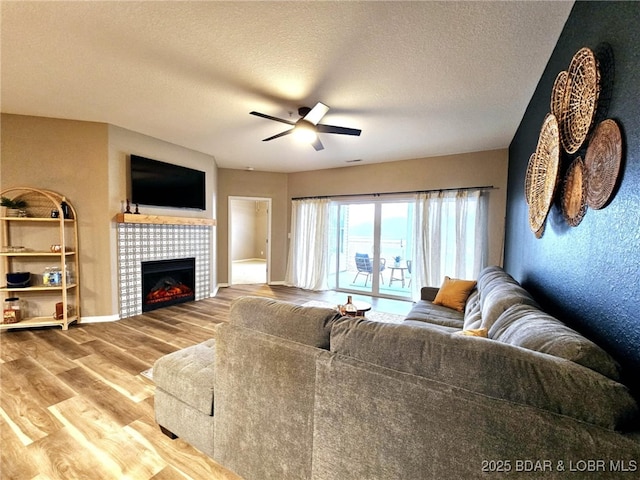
<point x="249" y="240"/>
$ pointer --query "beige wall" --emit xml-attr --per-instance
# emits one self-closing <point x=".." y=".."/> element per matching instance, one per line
<point x="70" y="158"/>
<point x="243" y="214"/>
<point x="87" y="162"/>
<point x="452" y="171"/>
<point x="262" y="230"/>
<point x="248" y="228"/>
<point x="241" y="183"/>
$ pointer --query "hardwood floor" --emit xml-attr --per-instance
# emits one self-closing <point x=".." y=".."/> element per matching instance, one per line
<point x="73" y="404"/>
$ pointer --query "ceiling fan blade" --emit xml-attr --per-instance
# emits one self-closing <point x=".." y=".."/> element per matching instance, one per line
<point x="269" y="117"/>
<point x="340" y="130"/>
<point x="316" y="113"/>
<point x="281" y="134"/>
<point x="317" y="144"/>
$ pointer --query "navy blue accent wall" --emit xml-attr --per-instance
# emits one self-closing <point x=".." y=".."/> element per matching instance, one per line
<point x="589" y="275"/>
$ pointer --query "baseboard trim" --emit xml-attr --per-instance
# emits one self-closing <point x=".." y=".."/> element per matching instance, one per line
<point x="101" y="319"/>
<point x="226" y="285"/>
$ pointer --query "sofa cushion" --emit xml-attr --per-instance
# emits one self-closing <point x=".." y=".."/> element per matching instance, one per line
<point x="528" y="327"/>
<point x="307" y="325"/>
<point x="493" y="276"/>
<point x="472" y="311"/>
<point x="454" y="293"/>
<point x="425" y="311"/>
<point x="187" y="374"/>
<point x="501" y="296"/>
<point x="490" y="368"/>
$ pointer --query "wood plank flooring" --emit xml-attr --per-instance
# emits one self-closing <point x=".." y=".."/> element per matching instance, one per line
<point x="73" y="404"/>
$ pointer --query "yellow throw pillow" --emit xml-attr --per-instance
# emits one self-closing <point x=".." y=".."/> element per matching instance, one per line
<point x="454" y="293"/>
<point x="474" y="332"/>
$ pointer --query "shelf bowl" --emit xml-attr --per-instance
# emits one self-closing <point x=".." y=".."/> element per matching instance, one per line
<point x="18" y="279"/>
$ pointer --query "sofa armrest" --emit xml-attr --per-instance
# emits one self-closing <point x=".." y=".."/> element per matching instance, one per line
<point x="428" y="293"/>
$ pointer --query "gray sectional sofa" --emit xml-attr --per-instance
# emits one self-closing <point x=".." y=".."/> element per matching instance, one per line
<point x="291" y="392"/>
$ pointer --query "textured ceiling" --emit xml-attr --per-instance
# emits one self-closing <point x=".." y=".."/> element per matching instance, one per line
<point x="419" y="78"/>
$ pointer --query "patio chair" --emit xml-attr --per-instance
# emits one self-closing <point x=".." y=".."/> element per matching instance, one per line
<point x="409" y="271"/>
<point x="365" y="267"/>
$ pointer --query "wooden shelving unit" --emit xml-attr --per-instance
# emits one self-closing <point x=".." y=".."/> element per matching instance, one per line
<point x="36" y="232"/>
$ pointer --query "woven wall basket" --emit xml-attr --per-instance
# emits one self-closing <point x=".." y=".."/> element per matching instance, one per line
<point x="557" y="95"/>
<point x="574" y="193"/>
<point x="544" y="173"/>
<point x="602" y="163"/>
<point x="528" y="178"/>
<point x="580" y="99"/>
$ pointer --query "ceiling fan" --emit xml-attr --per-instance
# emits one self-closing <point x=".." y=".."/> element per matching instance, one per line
<point x="307" y="127"/>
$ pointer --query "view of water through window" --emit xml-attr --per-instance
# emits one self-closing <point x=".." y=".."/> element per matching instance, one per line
<point x="373" y="248"/>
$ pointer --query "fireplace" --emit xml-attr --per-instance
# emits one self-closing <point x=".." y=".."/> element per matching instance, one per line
<point x="167" y="282"/>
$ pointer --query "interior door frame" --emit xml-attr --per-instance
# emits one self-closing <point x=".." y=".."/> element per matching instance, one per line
<point x="230" y="201"/>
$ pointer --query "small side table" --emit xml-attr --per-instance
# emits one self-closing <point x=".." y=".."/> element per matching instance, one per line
<point x="362" y="308"/>
<point x="399" y="277"/>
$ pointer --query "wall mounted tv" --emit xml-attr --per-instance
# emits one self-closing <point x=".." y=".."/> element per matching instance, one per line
<point x="166" y="185"/>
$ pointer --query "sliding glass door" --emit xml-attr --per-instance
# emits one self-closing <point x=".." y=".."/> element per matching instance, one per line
<point x="373" y="248"/>
<point x="396" y="243"/>
<point x="368" y="246"/>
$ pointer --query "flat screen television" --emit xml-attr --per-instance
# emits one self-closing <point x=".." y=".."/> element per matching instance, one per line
<point x="166" y="185"/>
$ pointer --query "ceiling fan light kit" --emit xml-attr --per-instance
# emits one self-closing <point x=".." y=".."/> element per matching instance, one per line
<point x="305" y="131"/>
<point x="307" y="127"/>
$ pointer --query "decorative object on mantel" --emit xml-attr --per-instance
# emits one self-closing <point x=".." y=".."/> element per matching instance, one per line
<point x="137" y="212"/>
<point x="580" y="99"/>
<point x="128" y="209"/>
<point x="602" y="163"/>
<point x="574" y="193"/>
<point x="544" y="173"/>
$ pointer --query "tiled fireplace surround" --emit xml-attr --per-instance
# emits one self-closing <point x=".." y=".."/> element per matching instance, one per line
<point x="139" y="243"/>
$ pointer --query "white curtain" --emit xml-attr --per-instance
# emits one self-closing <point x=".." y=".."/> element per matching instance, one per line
<point x="451" y="237"/>
<point x="307" y="266"/>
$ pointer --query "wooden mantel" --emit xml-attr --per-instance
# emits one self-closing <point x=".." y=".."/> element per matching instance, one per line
<point x="162" y="220"/>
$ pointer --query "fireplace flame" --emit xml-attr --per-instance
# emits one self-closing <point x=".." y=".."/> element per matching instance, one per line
<point x="168" y="289"/>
